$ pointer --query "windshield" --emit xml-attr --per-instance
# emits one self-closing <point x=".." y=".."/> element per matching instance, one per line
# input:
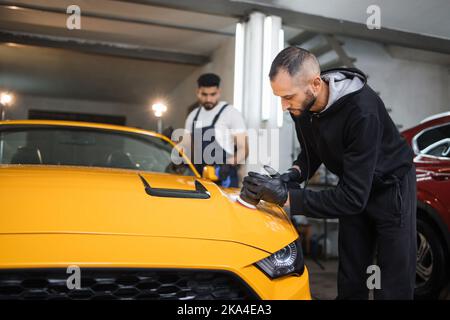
<point x="72" y="146"/>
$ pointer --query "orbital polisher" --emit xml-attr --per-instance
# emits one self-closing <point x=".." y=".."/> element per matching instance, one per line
<point x="251" y="203"/>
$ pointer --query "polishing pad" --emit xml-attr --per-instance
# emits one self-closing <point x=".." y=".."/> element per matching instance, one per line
<point x="245" y="204"/>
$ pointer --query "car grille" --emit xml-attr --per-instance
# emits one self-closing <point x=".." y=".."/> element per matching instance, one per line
<point x="123" y="284"/>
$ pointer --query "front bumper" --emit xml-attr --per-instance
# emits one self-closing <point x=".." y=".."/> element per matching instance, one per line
<point x="87" y="251"/>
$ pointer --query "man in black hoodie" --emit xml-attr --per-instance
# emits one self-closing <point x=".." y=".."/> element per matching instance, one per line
<point x="341" y="122"/>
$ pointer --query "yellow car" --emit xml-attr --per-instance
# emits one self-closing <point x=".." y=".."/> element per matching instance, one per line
<point x="94" y="211"/>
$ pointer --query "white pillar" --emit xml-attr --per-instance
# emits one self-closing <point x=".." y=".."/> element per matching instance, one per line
<point x="258" y="41"/>
<point x="254" y="32"/>
<point x="273" y="43"/>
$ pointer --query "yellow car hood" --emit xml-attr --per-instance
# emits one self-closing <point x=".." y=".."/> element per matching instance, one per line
<point x="55" y="199"/>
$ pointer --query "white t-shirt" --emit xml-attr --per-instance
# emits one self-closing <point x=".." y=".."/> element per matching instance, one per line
<point x="230" y="123"/>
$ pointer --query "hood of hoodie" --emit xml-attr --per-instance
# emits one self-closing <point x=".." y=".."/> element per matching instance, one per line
<point x="342" y="82"/>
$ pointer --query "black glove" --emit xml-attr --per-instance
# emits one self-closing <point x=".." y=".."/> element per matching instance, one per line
<point x="248" y="196"/>
<point x="292" y="177"/>
<point x="263" y="187"/>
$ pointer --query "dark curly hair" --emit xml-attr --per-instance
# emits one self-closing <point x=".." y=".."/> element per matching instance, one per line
<point x="208" y="80"/>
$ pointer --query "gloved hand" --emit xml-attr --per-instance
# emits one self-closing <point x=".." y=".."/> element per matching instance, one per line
<point x="248" y="196"/>
<point x="292" y="177"/>
<point x="263" y="187"/>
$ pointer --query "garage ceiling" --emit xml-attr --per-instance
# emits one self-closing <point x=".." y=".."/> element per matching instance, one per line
<point x="153" y="47"/>
<point x="165" y="45"/>
<point x="53" y="72"/>
<point x="120" y="22"/>
<point x="428" y="17"/>
<point x="296" y="14"/>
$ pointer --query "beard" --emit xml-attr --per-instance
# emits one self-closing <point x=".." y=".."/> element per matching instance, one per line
<point x="307" y="104"/>
<point x="309" y="101"/>
<point x="209" y="106"/>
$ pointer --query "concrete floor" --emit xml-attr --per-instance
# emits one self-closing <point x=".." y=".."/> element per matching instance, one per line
<point x="323" y="282"/>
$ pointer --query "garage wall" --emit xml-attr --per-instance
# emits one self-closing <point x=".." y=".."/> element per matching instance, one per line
<point x="222" y="63"/>
<point x="412" y="89"/>
<point x="182" y="78"/>
<point x="136" y="115"/>
<point x="178" y="100"/>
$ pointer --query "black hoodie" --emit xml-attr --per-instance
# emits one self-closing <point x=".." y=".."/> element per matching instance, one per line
<point x="356" y="140"/>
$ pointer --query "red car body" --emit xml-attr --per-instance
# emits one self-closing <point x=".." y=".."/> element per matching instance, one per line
<point x="430" y="141"/>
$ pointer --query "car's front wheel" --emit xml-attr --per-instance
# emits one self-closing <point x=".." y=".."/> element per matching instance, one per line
<point x="431" y="268"/>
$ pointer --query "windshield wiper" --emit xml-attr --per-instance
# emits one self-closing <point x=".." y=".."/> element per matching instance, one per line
<point x="200" y="191"/>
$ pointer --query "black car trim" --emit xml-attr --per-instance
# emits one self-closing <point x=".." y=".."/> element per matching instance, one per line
<point x="251" y="292"/>
<point x="200" y="191"/>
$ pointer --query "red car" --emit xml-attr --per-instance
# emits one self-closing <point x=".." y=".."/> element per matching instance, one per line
<point x="430" y="141"/>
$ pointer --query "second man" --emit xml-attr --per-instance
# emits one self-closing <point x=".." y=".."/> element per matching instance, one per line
<point x="215" y="133"/>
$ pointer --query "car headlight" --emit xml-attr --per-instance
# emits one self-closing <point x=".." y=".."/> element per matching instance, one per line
<point x="287" y="261"/>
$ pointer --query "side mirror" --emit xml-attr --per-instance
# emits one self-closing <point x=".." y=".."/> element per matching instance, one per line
<point x="209" y="172"/>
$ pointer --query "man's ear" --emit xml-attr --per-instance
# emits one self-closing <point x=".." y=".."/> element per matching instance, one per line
<point x="317" y="81"/>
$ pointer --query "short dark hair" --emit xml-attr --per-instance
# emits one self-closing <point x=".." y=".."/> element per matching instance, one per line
<point x="289" y="59"/>
<point x="208" y="80"/>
